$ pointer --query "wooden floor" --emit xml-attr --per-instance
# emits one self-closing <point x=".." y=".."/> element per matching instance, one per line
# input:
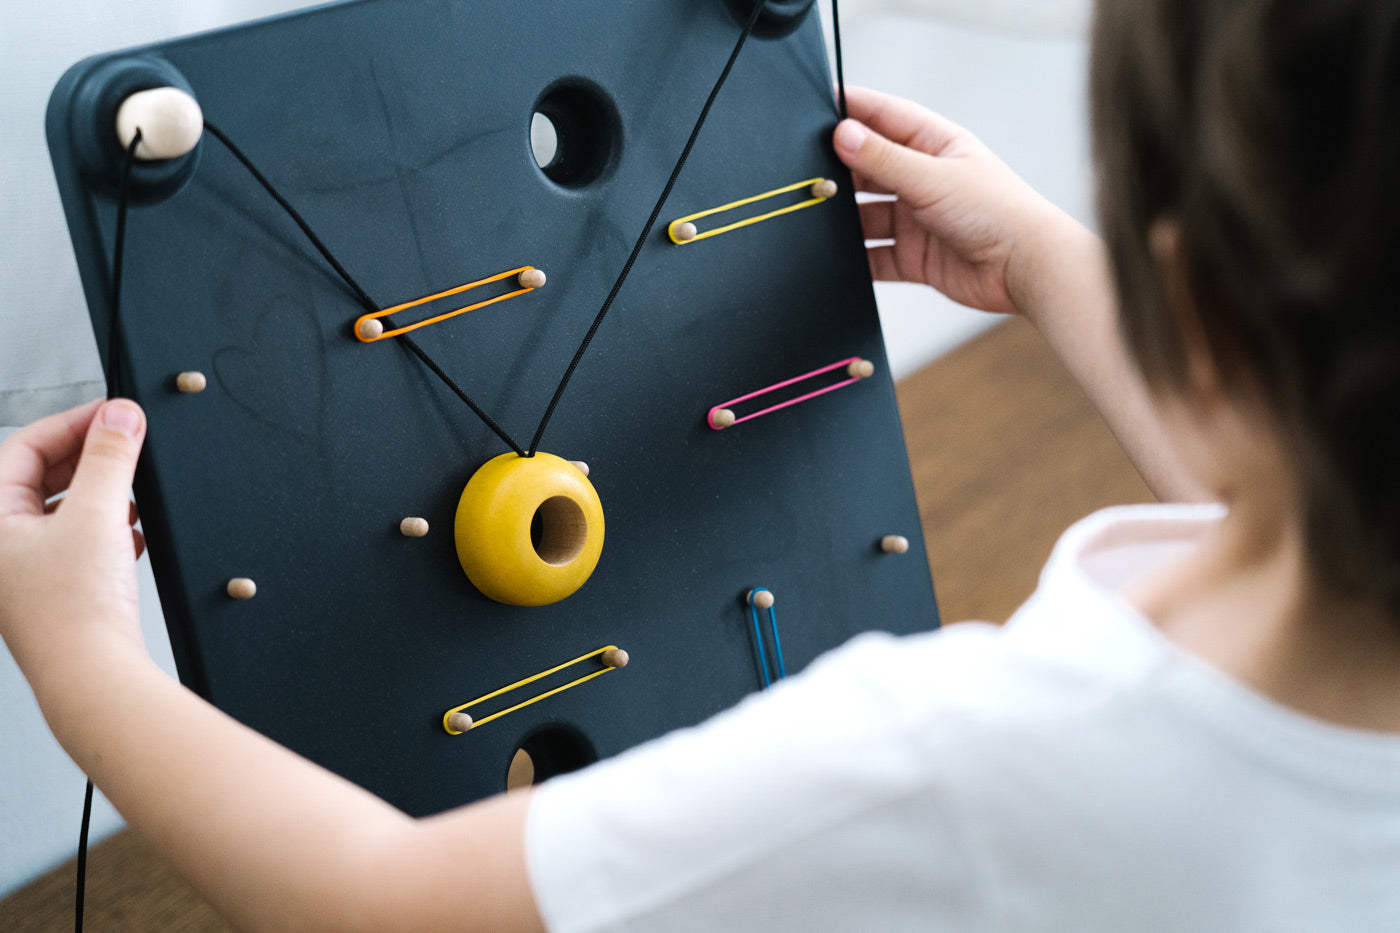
<point x="1006" y="453"/>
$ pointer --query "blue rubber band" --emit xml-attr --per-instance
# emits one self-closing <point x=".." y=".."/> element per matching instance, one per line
<point x="777" y="642"/>
<point x="758" y="639"/>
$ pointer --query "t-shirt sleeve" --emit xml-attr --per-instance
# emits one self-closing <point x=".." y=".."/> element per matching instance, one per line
<point x="807" y="806"/>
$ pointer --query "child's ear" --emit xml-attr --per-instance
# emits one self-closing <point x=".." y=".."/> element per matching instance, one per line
<point x="1169" y="251"/>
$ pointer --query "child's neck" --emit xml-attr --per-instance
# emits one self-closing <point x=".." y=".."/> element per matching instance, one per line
<point x="1240" y="602"/>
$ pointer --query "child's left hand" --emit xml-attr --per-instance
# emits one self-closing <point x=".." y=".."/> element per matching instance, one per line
<point x="67" y="567"/>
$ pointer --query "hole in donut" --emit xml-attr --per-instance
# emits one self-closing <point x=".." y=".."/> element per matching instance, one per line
<point x="558" y="530"/>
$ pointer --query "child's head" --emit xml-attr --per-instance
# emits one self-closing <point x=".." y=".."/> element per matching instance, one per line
<point x="1267" y="134"/>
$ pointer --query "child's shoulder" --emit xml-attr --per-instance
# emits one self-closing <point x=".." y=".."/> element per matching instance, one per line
<point x="1075" y="644"/>
<point x="1073" y="744"/>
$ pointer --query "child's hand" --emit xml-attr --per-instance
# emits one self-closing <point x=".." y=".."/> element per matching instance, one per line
<point x="963" y="222"/>
<point x="67" y="568"/>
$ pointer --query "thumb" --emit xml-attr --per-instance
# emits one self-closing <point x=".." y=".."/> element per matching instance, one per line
<point x="912" y="175"/>
<point x="108" y="461"/>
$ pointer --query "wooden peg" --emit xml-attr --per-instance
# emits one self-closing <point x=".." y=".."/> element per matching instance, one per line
<point x="582" y="467"/>
<point x="413" y="527"/>
<point x="894" y="544"/>
<point x="460" y="721"/>
<point x="532" y="278"/>
<point x="763" y="599"/>
<point x="371" y="329"/>
<point x="860" y="369"/>
<point x="242" y="588"/>
<point x="685" y="232"/>
<point x="614" y="657"/>
<point x="191" y="382"/>
<point x="826" y="188"/>
<point x="724" y="418"/>
<point x="169" y="119"/>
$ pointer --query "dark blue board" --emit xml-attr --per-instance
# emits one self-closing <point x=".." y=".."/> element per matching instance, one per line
<point x="401" y="131"/>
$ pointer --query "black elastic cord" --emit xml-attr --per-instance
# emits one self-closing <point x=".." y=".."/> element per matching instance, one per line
<point x="646" y="231"/>
<point x="448" y="381"/>
<point x="113" y="390"/>
<point x="118" y="251"/>
<point x="82" y="860"/>
<point x="840" y="72"/>
<point x="365" y="300"/>
<point x="321" y="248"/>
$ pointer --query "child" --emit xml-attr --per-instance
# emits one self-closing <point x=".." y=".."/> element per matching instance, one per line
<point x="1194" y="723"/>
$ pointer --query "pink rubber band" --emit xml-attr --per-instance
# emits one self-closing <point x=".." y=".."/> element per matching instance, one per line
<point x="839" y="364"/>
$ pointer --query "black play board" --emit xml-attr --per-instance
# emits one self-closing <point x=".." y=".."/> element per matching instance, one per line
<point x="400" y="129"/>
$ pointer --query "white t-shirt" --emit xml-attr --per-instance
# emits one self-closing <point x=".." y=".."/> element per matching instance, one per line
<point x="1070" y="771"/>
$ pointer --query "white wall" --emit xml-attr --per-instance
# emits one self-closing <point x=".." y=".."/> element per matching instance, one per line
<point x="1046" y="18"/>
<point x="1010" y="70"/>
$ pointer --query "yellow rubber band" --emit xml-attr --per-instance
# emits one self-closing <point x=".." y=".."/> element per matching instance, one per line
<point x="520" y="683"/>
<point x="441" y="317"/>
<point x="671" y="230"/>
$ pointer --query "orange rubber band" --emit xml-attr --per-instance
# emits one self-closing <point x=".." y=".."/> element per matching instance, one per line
<point x="441" y="317"/>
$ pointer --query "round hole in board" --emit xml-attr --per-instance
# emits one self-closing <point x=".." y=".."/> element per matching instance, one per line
<point x="575" y="133"/>
<point x="548" y="752"/>
<point x="521" y="773"/>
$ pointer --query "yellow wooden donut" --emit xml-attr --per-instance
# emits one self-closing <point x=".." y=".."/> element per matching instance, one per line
<point x="529" y="530"/>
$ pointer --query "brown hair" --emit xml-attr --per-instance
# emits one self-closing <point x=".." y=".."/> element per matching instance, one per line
<point x="1269" y="131"/>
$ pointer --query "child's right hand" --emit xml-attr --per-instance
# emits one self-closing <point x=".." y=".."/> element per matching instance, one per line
<point x="966" y="224"/>
<point x="68" y="567"/>
<point x="963" y="222"/>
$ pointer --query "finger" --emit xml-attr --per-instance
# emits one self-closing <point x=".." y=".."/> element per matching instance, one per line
<point x="31" y="458"/>
<point x="865" y="185"/>
<point x="903" y="121"/>
<point x="877" y="219"/>
<point x="103" y="478"/>
<point x="58" y="477"/>
<point x="884" y="264"/>
<point x="915" y="177"/>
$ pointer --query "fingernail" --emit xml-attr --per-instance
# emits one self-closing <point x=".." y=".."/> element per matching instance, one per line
<point x="122" y="416"/>
<point x="850" y="135"/>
